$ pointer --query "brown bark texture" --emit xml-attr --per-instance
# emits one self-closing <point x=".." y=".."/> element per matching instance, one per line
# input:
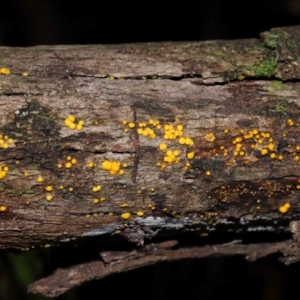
<point x="162" y="138"/>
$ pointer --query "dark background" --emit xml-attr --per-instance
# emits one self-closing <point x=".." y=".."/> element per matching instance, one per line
<point x="35" y="22"/>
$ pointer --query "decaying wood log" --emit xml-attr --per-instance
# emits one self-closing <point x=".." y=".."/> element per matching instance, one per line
<point x="139" y="140"/>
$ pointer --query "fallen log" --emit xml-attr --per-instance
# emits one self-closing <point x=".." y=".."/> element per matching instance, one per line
<point x="149" y="140"/>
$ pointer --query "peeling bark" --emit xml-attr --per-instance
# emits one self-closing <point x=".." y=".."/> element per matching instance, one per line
<point x="238" y="103"/>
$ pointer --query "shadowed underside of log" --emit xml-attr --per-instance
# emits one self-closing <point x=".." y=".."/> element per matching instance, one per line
<point x="228" y="112"/>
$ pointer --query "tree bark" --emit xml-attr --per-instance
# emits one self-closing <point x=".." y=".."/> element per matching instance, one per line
<point x="237" y="168"/>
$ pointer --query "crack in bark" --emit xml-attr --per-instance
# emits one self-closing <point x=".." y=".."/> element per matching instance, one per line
<point x="136" y="144"/>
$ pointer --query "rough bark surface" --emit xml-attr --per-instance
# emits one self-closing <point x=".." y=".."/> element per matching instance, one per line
<point x="238" y="101"/>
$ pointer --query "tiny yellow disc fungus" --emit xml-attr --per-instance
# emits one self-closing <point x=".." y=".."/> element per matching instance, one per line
<point x="79" y="127"/>
<point x="190" y="155"/>
<point x="131" y="125"/>
<point x="207" y="173"/>
<point x="72" y="126"/>
<point x="126" y="215"/>
<point x="90" y="164"/>
<point x="271" y="146"/>
<point x="74" y="161"/>
<point x="264" y="151"/>
<point x="40" y="179"/>
<point x="140" y="213"/>
<point x="49" y="197"/>
<point x="176" y="153"/>
<point x="68" y="165"/>
<point x="49" y="188"/>
<point x="95" y="201"/>
<point x="284" y="208"/>
<point x="181" y="141"/>
<point x="71" y="118"/>
<point x="163" y="146"/>
<point x="121" y="172"/>
<point x="2" y="208"/>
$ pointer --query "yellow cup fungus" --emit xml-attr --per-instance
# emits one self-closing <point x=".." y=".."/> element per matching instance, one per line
<point x="162" y="146"/>
<point x="49" y="197"/>
<point x="4" y="71"/>
<point x="264" y="151"/>
<point x="284" y="208"/>
<point x="68" y="165"/>
<point x="190" y="155"/>
<point x="49" y="188"/>
<point x="91" y="164"/>
<point x="140" y="213"/>
<point x="3" y="208"/>
<point x="126" y="215"/>
<point x="40" y="179"/>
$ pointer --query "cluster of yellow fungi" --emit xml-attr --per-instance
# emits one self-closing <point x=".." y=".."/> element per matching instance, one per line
<point x="70" y="122"/>
<point x="113" y="167"/>
<point x="5" y="141"/>
<point x="172" y="138"/>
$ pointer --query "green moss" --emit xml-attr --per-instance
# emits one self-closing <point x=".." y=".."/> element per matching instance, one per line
<point x="265" y="68"/>
<point x="271" y="41"/>
<point x="280" y="107"/>
<point x="277" y="84"/>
